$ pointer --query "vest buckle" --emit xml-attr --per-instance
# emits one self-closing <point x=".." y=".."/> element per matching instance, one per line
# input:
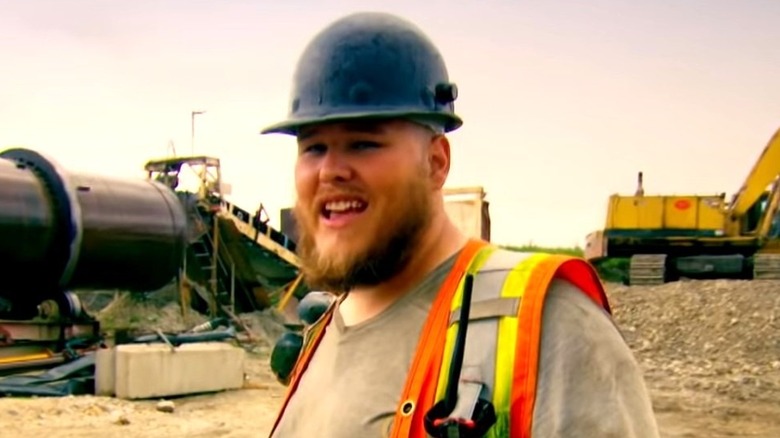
<point x="441" y="424"/>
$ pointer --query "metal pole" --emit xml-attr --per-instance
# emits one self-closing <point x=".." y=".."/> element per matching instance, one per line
<point x="215" y="266"/>
<point x="192" y="130"/>
<point x="232" y="286"/>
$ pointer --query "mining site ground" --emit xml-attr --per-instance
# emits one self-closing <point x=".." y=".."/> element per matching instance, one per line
<point x="710" y="351"/>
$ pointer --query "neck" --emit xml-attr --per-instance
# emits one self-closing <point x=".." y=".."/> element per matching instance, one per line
<point x="440" y="241"/>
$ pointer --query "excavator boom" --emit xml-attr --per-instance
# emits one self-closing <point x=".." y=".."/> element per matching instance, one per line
<point x="764" y="172"/>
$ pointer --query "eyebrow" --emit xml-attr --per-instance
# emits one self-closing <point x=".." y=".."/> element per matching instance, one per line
<point x="360" y="127"/>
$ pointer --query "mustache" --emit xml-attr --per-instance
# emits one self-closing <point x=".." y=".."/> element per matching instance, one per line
<point x="327" y="194"/>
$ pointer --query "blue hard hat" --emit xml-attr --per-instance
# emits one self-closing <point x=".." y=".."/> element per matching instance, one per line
<point x="370" y="65"/>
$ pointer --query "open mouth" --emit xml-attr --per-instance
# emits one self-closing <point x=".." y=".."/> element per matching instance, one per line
<point x="343" y="207"/>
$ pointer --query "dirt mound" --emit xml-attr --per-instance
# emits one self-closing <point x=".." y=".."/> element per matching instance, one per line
<point x="267" y="325"/>
<point x="145" y="313"/>
<point x="139" y="312"/>
<point x="720" y="337"/>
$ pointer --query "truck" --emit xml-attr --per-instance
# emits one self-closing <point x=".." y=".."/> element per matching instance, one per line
<point x="469" y="210"/>
<point x="667" y="237"/>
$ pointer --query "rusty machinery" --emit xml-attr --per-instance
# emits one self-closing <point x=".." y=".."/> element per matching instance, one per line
<point x="62" y="232"/>
<point x="235" y="262"/>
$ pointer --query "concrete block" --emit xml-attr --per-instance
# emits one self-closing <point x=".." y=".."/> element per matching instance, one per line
<point x="155" y="370"/>
<point x="105" y="365"/>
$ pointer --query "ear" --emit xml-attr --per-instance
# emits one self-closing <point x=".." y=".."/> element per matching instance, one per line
<point x="439" y="160"/>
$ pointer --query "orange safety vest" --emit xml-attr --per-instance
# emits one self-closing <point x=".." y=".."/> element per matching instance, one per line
<point x="503" y="339"/>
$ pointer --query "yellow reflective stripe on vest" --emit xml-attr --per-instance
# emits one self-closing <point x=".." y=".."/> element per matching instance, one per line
<point x="515" y="286"/>
<point x="490" y="342"/>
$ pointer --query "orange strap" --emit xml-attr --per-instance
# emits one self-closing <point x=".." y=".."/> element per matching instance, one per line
<point x="315" y="334"/>
<point x="420" y="387"/>
<point x="528" y="345"/>
<point x="584" y="276"/>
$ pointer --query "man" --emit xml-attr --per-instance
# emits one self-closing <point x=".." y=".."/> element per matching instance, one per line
<point x="370" y="109"/>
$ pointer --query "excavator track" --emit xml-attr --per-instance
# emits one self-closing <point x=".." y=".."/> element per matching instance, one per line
<point x="647" y="269"/>
<point x="766" y="267"/>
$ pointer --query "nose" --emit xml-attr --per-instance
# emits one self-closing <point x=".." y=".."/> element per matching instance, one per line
<point x="335" y="167"/>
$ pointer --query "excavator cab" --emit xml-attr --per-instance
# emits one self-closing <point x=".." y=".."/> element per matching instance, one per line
<point x="752" y="218"/>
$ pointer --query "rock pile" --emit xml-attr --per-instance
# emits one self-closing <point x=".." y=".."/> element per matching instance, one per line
<point x="720" y="336"/>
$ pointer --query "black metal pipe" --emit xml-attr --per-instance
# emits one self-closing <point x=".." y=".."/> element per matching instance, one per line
<point x="61" y="231"/>
<point x="26" y="220"/>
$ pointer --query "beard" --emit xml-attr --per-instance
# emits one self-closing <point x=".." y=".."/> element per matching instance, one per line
<point x="394" y="243"/>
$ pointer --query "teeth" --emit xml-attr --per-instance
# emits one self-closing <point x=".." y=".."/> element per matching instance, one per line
<point x="339" y="206"/>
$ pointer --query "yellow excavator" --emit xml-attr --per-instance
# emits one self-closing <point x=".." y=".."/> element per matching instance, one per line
<point x="669" y="237"/>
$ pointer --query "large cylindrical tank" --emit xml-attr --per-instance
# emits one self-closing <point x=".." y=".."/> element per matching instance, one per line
<point x="61" y="231"/>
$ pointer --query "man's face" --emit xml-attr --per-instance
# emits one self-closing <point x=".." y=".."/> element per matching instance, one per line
<point x="363" y="198"/>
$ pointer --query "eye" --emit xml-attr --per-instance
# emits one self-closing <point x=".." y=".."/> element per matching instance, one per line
<point x="316" y="148"/>
<point x="364" y="144"/>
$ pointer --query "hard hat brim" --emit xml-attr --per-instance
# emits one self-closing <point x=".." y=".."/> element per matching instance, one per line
<point x="449" y="122"/>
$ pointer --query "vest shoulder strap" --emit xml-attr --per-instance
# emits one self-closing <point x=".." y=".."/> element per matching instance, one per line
<point x="502" y="342"/>
<point x="420" y="386"/>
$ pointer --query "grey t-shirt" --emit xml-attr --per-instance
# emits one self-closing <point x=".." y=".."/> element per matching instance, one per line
<point x="589" y="383"/>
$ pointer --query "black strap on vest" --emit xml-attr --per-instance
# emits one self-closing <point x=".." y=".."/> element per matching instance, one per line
<point x="462" y="413"/>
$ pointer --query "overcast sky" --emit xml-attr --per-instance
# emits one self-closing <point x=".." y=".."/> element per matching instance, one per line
<point x="564" y="101"/>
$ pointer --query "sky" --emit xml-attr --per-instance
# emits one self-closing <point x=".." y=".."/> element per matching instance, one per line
<point x="563" y="101"/>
